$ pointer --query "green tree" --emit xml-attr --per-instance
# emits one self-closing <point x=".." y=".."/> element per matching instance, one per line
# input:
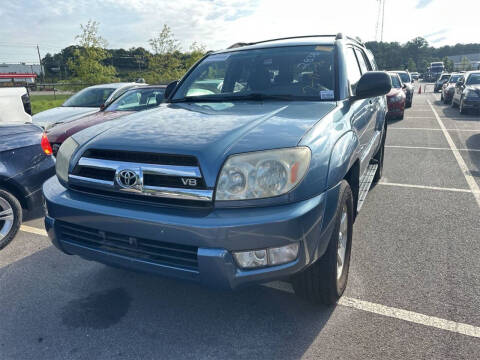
<point x="465" y="64"/>
<point x="86" y="64"/>
<point x="411" y="66"/>
<point x="197" y="51"/>
<point x="448" y="64"/>
<point x="164" y="42"/>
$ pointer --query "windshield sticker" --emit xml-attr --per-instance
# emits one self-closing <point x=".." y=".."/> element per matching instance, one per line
<point x="326" y="95"/>
<point x="218" y="57"/>
<point x="323" y="48"/>
<point x="267" y="62"/>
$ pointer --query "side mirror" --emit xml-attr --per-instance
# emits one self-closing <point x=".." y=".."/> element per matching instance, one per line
<point x="373" y="83"/>
<point x="404" y="86"/>
<point x="170" y="88"/>
<point x="102" y="107"/>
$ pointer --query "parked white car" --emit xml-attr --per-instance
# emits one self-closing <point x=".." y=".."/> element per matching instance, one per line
<point x="85" y="102"/>
<point x="15" y="105"/>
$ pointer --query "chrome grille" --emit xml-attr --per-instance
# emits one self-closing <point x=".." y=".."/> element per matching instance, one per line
<point x="160" y="177"/>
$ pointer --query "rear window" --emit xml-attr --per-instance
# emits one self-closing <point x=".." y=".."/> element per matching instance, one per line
<point x="89" y="97"/>
<point x="396" y="82"/>
<point x="405" y="77"/>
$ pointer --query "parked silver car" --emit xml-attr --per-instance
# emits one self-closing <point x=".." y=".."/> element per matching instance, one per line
<point x="85" y="102"/>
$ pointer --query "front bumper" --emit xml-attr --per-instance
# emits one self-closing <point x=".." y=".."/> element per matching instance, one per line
<point x="215" y="232"/>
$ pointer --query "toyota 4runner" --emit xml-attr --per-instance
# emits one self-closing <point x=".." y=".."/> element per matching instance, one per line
<point x="253" y="170"/>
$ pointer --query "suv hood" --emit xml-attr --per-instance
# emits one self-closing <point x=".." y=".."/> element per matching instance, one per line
<point x="61" y="114"/>
<point x="209" y="131"/>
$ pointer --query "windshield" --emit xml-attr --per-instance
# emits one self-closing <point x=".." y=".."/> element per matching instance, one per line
<point x="405" y="77"/>
<point x="454" y="78"/>
<point x="89" y="97"/>
<point x="473" y="79"/>
<point x="396" y="82"/>
<point x="437" y="68"/>
<point x="137" y="100"/>
<point x="294" y="73"/>
<point x="444" y="77"/>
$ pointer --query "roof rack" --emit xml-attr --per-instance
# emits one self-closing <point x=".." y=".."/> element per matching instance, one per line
<point x="240" y="44"/>
<point x="356" y="39"/>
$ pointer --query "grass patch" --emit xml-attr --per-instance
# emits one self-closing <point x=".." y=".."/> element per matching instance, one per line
<point x="45" y="102"/>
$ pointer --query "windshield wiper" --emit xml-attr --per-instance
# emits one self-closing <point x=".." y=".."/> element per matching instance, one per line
<point x="252" y="96"/>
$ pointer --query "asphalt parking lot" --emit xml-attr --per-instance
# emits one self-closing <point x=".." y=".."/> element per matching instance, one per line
<point x="413" y="292"/>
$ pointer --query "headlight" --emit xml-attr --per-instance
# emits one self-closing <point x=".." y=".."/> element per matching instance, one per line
<point x="262" y="174"/>
<point x="63" y="158"/>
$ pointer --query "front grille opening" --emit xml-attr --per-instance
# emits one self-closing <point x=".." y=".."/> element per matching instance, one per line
<point x="94" y="173"/>
<point x="163" y="253"/>
<point x="142" y="157"/>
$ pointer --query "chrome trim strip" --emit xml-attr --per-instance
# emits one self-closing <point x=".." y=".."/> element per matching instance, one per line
<point x="163" y="192"/>
<point x="169" y="170"/>
<point x="179" y="193"/>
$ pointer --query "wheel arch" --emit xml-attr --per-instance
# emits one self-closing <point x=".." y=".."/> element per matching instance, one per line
<point x="15" y="190"/>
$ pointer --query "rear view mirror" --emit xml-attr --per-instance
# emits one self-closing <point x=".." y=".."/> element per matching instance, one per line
<point x="373" y="83"/>
<point x="170" y="88"/>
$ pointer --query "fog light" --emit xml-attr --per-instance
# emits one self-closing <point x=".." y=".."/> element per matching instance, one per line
<point x="269" y="257"/>
<point x="282" y="255"/>
<point x="251" y="259"/>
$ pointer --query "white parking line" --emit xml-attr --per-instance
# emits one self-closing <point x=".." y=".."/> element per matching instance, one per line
<point x="427" y="148"/>
<point x="410" y="316"/>
<point x="463" y="166"/>
<point x="407" y="117"/>
<point x="425" y="187"/>
<point x="396" y="313"/>
<point x="431" y="129"/>
<point x="33" y="230"/>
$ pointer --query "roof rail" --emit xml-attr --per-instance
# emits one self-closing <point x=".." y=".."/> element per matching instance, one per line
<point x="240" y="44"/>
<point x="356" y="39"/>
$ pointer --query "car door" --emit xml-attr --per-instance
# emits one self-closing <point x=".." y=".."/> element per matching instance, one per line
<point x="362" y="110"/>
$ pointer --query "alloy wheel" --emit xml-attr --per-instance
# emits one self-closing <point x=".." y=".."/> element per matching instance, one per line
<point x="342" y="241"/>
<point x="6" y="218"/>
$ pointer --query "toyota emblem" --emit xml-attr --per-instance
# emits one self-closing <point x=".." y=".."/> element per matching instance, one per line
<point x="128" y="178"/>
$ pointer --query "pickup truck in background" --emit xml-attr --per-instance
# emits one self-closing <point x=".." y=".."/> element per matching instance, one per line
<point x="253" y="170"/>
<point x="15" y="105"/>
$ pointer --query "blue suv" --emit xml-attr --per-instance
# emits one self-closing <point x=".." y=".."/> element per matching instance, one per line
<point x="253" y="170"/>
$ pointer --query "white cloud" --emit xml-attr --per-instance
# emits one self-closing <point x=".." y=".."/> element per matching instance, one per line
<point x="219" y="23"/>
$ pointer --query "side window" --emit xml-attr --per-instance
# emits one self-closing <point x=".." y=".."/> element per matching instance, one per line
<point x="353" y="71"/>
<point x="361" y="60"/>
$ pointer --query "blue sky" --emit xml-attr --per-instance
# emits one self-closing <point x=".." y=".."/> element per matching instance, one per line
<point x="219" y="23"/>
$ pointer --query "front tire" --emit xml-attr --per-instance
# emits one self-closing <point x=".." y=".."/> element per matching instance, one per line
<point x="379" y="156"/>
<point x="10" y="217"/>
<point x="325" y="280"/>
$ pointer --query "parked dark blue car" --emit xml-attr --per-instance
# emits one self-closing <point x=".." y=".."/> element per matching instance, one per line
<point x="253" y="170"/>
<point x="25" y="163"/>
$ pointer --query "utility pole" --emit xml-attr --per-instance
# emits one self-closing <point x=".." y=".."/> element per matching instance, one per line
<point x="380" y="19"/>
<point x="383" y="18"/>
<point x="40" y="62"/>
